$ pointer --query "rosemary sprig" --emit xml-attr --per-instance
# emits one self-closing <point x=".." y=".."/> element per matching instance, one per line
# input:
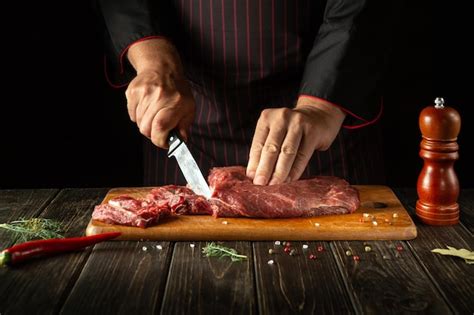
<point x="215" y="250"/>
<point x="35" y="228"/>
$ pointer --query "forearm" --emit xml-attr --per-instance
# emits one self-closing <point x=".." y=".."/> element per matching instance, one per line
<point x="155" y="55"/>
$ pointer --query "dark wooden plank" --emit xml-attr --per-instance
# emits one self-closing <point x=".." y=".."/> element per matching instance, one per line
<point x="202" y="285"/>
<point x="386" y="280"/>
<point x="453" y="277"/>
<point x="121" y="278"/>
<point x="41" y="286"/>
<point x="15" y="204"/>
<point x="297" y="284"/>
<point x="466" y="203"/>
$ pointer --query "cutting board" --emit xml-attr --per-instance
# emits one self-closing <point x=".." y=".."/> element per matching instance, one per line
<point x="381" y="216"/>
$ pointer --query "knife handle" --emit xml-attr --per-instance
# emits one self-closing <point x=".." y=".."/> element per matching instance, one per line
<point x="174" y="141"/>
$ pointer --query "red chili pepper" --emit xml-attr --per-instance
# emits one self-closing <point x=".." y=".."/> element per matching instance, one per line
<point x="25" y="251"/>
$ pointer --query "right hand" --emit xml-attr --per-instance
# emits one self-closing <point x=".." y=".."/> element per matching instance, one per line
<point x="159" y="98"/>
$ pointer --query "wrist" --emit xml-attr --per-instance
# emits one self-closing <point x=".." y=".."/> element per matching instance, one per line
<point x="320" y="104"/>
<point x="157" y="55"/>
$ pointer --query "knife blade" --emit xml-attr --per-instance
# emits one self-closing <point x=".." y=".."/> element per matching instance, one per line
<point x="188" y="165"/>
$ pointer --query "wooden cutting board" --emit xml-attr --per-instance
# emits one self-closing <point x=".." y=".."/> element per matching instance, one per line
<point x="389" y="223"/>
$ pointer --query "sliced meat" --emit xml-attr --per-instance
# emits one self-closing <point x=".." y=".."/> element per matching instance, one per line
<point x="234" y="195"/>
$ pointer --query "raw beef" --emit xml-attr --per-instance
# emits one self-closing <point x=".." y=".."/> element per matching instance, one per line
<point x="234" y="195"/>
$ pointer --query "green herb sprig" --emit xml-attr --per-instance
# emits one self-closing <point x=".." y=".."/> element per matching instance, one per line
<point x="215" y="250"/>
<point x="35" y="228"/>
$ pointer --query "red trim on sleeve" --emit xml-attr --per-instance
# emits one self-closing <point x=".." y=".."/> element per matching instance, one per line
<point x="365" y="121"/>
<point x="122" y="55"/>
<point x="124" y="51"/>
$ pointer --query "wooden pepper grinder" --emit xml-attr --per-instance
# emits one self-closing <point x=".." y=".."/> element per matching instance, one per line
<point x="438" y="186"/>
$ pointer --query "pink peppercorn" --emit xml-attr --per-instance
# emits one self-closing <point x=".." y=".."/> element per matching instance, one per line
<point x="399" y="248"/>
<point x="320" y="248"/>
<point x="356" y="258"/>
<point x="286" y="250"/>
<point x="312" y="257"/>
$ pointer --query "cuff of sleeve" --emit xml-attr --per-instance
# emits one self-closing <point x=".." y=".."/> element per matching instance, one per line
<point x="361" y="122"/>
<point x="121" y="62"/>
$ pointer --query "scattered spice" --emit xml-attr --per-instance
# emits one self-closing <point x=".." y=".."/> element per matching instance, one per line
<point x="286" y="249"/>
<point x="270" y="251"/>
<point x="366" y="215"/>
<point x="225" y="222"/>
<point x="374" y="223"/>
<point x="159" y="247"/>
<point x="317" y="224"/>
<point x="320" y="248"/>
<point x="385" y="257"/>
<point x="367" y="249"/>
<point x="305" y="246"/>
<point x="348" y="253"/>
<point x="144" y="248"/>
<point x="361" y="220"/>
<point x="215" y="250"/>
<point x="192" y="245"/>
<point x="270" y="262"/>
<point x="395" y="215"/>
<point x="312" y="257"/>
<point x="399" y="248"/>
<point x="277" y="243"/>
<point x="293" y="252"/>
<point x="284" y="243"/>
<point x="288" y="244"/>
<point x="356" y="258"/>
<point x="35" y="228"/>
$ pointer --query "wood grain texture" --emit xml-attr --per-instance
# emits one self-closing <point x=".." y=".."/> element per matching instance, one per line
<point x="297" y="284"/>
<point x="41" y="286"/>
<point x="121" y="278"/>
<point x="387" y="281"/>
<point x="15" y="204"/>
<point x="466" y="204"/>
<point x="453" y="277"/>
<point x="209" y="285"/>
<point x="336" y="227"/>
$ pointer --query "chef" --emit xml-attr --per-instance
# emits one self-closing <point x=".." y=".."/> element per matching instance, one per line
<point x="288" y="88"/>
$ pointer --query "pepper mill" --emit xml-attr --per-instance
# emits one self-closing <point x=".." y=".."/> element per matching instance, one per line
<point x="438" y="186"/>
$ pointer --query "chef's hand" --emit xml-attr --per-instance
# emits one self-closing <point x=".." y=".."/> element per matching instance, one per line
<point x="285" y="139"/>
<point x="159" y="97"/>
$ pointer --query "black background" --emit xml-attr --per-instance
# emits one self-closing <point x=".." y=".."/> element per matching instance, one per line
<point x="63" y="126"/>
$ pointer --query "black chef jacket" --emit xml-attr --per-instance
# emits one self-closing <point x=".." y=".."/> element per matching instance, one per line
<point x="242" y="56"/>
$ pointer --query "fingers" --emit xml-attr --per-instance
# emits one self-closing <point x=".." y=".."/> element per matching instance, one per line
<point x="132" y="103"/>
<point x="287" y="156"/>
<point x="302" y="158"/>
<point x="269" y="154"/>
<point x="259" y="138"/>
<point x="165" y="120"/>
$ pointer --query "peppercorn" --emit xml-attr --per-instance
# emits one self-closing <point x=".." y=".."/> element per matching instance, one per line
<point x="320" y="248"/>
<point x="356" y="258"/>
<point x="312" y="257"/>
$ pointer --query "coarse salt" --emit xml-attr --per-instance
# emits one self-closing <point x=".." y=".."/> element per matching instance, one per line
<point x="317" y="224"/>
<point x="348" y="253"/>
<point x="144" y="248"/>
<point x="270" y="251"/>
<point x="367" y="249"/>
<point x="270" y="262"/>
<point x="305" y="246"/>
<point x="395" y="215"/>
<point x="277" y="243"/>
<point x="365" y="215"/>
<point x="192" y="245"/>
<point x="374" y="223"/>
<point x="159" y="247"/>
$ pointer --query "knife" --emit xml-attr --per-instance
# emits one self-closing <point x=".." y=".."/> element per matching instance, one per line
<point x="188" y="165"/>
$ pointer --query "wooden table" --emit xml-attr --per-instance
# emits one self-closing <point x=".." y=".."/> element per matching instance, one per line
<point x="120" y="277"/>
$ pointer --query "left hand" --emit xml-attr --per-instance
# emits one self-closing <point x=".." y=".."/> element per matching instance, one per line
<point x="285" y="139"/>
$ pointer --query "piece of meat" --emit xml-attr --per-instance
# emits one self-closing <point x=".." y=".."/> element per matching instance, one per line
<point x="234" y="195"/>
<point x="126" y="210"/>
